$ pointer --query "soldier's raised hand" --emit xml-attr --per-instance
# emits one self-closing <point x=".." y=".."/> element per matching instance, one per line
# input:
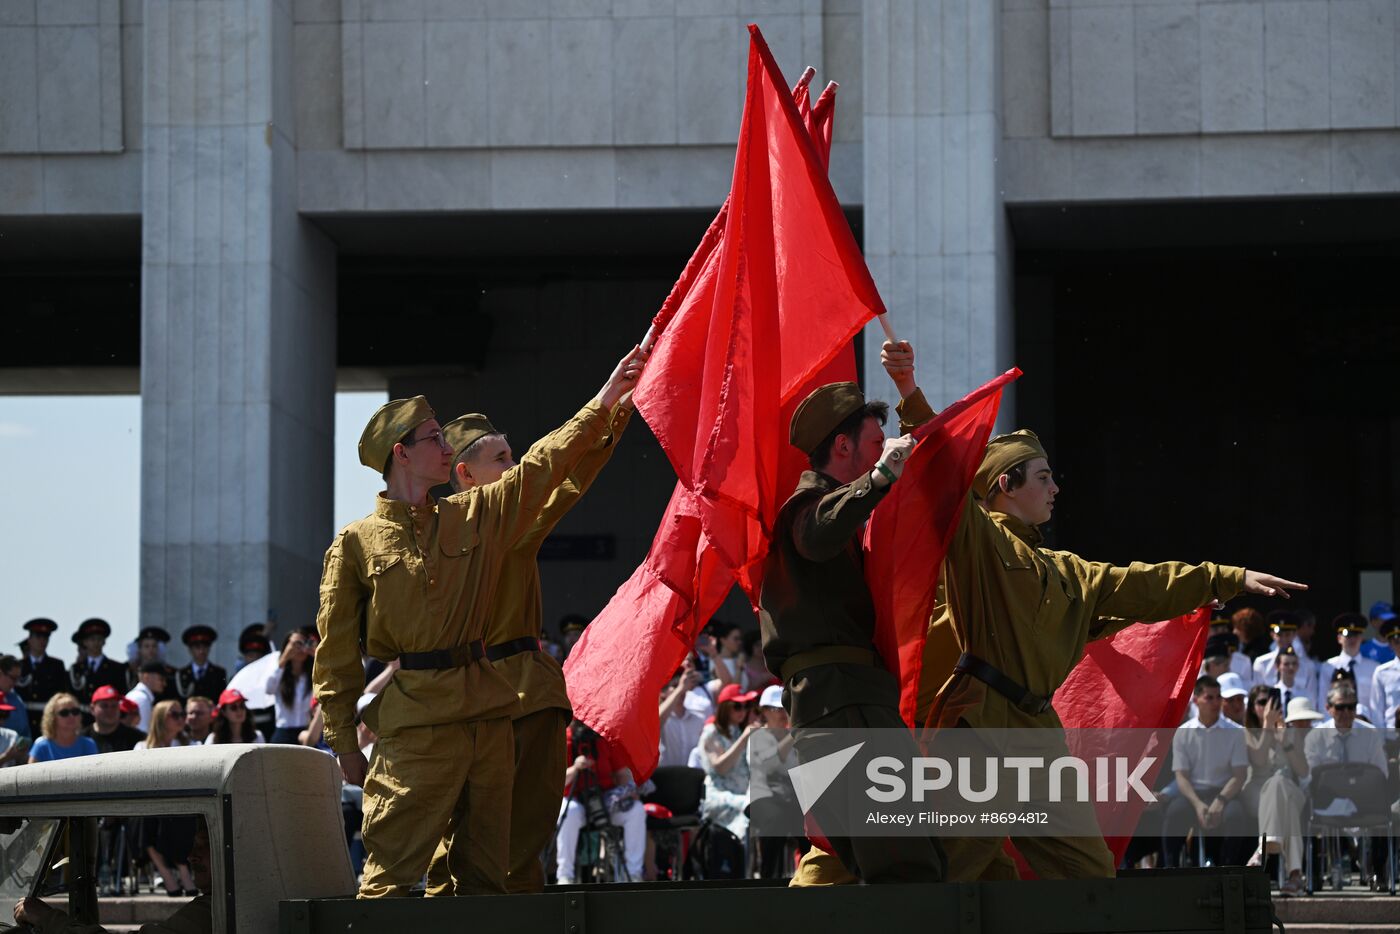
<point x="897" y="357"/>
<point x="624" y="377"/>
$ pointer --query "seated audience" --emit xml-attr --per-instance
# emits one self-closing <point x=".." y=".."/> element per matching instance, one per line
<point x="62" y="726"/>
<point x="232" y="722"/>
<point x="1279" y="743"/>
<point x="107" y="730"/>
<point x="685" y="707"/>
<point x="1210" y="763"/>
<point x="724" y="747"/>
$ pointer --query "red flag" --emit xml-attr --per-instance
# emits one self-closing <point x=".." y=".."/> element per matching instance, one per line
<point x="763" y="310"/>
<point x="909" y="532"/>
<point x="1141" y="679"/>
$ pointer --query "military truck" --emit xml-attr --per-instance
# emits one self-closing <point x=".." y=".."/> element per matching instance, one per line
<point x="279" y="863"/>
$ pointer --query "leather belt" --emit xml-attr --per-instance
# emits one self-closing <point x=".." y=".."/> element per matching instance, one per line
<point x="828" y="655"/>
<point x="456" y="657"/>
<point x="514" y="647"/>
<point x="1022" y="697"/>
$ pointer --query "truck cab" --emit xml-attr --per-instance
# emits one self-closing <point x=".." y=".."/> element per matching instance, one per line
<point x="272" y="814"/>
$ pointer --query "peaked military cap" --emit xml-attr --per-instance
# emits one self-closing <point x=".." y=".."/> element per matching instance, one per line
<point x="1350" y="624"/>
<point x="1282" y="621"/>
<point x="821" y="412"/>
<point x="388" y="425"/>
<point x="153" y="632"/>
<point x="465" y="429"/>
<point x="199" y="633"/>
<point x="92" y="627"/>
<point x="41" y="626"/>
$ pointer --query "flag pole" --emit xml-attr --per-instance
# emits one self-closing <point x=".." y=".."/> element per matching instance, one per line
<point x="884" y="323"/>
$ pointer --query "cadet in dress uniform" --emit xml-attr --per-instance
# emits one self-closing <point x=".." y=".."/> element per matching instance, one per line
<point x="200" y="678"/>
<point x="1351" y="632"/>
<point x="416" y="581"/>
<point x="94" y="669"/>
<point x="513" y="644"/>
<point x="41" y="676"/>
<point x="150" y="649"/>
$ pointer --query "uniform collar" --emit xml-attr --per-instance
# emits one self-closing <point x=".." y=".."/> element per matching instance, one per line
<point x="398" y="511"/>
<point x="816" y="480"/>
<point x="1027" y="533"/>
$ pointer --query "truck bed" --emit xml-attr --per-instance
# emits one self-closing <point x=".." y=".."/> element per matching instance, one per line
<point x="1232" y="900"/>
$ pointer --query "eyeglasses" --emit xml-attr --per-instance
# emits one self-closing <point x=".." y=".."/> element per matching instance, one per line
<point x="70" y="712"/>
<point x="1343" y="706"/>
<point x="434" y="436"/>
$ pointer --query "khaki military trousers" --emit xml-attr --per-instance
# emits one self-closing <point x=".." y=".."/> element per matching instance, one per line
<point x="427" y="782"/>
<point x="535" y="794"/>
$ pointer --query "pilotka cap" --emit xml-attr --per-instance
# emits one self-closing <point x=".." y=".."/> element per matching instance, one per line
<point x="462" y="431"/>
<point x="1003" y="453"/>
<point x="387" y="427"/>
<point x="821" y="412"/>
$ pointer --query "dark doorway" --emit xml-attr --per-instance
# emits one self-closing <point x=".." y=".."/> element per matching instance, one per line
<point x="1234" y="402"/>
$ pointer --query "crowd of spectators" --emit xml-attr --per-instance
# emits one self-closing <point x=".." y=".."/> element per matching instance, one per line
<point x="1265" y="717"/>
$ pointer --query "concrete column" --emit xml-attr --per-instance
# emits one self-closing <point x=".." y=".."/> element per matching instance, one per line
<point x="237" y="332"/>
<point x="935" y="231"/>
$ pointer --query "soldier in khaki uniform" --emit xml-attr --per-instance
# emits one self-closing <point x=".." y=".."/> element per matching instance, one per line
<point x="1022" y="614"/>
<point x="513" y="636"/>
<point x="1012" y="622"/>
<point x="416" y="581"/>
<point x="817" y="616"/>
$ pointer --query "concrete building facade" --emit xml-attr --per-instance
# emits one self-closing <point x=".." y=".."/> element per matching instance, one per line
<point x="486" y="199"/>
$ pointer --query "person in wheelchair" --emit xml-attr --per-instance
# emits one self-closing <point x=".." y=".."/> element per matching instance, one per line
<point x="602" y="797"/>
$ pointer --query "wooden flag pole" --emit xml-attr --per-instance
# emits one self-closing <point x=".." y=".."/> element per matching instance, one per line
<point x="885" y="323"/>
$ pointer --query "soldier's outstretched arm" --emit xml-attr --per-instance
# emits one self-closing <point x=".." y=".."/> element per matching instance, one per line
<point x="514" y="502"/>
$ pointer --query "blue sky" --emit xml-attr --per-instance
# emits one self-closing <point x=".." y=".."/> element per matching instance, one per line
<point x="72" y="468"/>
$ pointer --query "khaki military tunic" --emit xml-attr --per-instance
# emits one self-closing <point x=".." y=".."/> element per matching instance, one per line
<point x="538" y="680"/>
<point x="1029" y="611"/>
<point x="416" y="578"/>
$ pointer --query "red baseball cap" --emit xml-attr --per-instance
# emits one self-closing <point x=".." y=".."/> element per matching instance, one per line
<point x="129" y="706"/>
<point x="6" y="708"/>
<point x="232" y="696"/>
<point x="732" y="692"/>
<point x="105" y="693"/>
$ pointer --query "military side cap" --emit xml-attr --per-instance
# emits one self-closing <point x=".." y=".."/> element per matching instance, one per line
<point x="1003" y="453"/>
<point x="41" y="626"/>
<point x="1282" y="621"/>
<point x="821" y="412"/>
<point x="573" y="623"/>
<point x="1343" y="674"/>
<point x="465" y="429"/>
<point x="1286" y="652"/>
<point x="200" y="633"/>
<point x="1350" y="624"/>
<point x="388" y="425"/>
<point x="92" y="627"/>
<point x="153" y="632"/>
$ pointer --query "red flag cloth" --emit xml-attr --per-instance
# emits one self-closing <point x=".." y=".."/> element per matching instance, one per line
<point x="766" y="307"/>
<point x="1139" y="679"/>
<point x="907" y="536"/>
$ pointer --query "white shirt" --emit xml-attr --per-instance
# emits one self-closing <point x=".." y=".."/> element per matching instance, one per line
<point x="1365" y="669"/>
<point x="1385" y="692"/>
<point x="1362" y="743"/>
<point x="1209" y="755"/>
<point x="1242" y="666"/>
<point x="1266" y="671"/>
<point x="142" y="697"/>
<point x="679" y="735"/>
<point x="298" y="715"/>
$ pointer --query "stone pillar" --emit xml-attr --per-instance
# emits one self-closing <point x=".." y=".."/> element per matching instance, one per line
<point x="935" y="230"/>
<point x="237" y="329"/>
